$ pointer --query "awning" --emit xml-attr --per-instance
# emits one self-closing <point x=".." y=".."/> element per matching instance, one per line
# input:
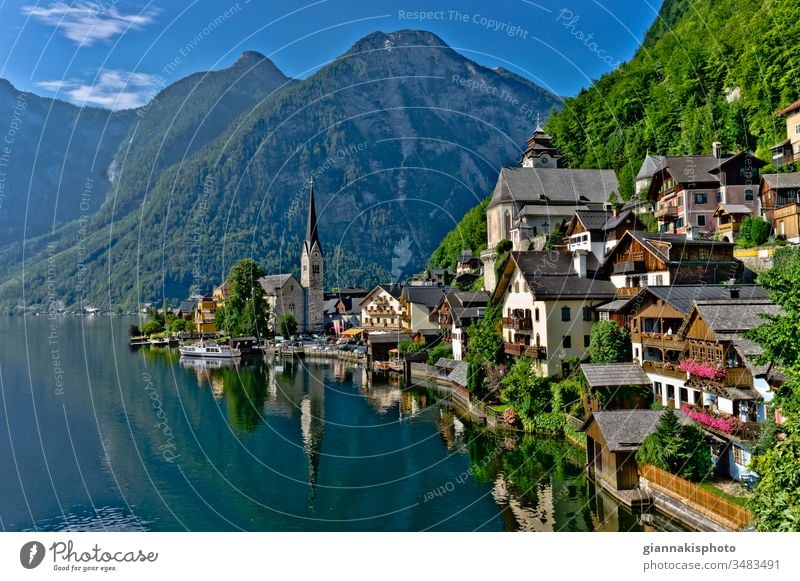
<point x="352" y="332"/>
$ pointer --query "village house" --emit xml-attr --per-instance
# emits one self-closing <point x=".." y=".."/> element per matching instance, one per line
<point x="380" y="309"/>
<point x="687" y="190"/>
<point x="455" y="313"/>
<point x="788" y="150"/>
<point x="780" y="204"/>
<point x="538" y="199"/>
<point x="204" y="315"/>
<point x="342" y="309"/>
<point x="548" y="301"/>
<point x="599" y="231"/>
<point x="652" y="259"/>
<point x="417" y="303"/>
<point x="467" y="263"/>
<point x="616" y="386"/>
<point x="650" y="166"/>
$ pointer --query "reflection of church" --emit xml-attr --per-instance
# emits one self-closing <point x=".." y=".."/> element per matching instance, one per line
<point x="303" y="298"/>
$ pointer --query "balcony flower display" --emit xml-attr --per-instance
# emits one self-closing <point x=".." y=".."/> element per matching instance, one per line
<point x="725" y="424"/>
<point x="703" y="369"/>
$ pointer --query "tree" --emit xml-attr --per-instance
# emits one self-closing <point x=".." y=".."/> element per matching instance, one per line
<point x="246" y="312"/>
<point x="409" y="347"/>
<point x="439" y="351"/>
<point x="178" y="325"/>
<point x="776" y="499"/>
<point x="526" y="392"/>
<point x="287" y="325"/>
<point x="677" y="449"/>
<point x="608" y="343"/>
<point x="485" y="336"/>
<point x="476" y="379"/>
<point x="134" y="331"/>
<point x="152" y="327"/>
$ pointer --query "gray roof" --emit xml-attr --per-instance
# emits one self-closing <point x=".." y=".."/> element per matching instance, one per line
<point x="388" y="337"/>
<point x="274" y="282"/>
<point x="782" y="180"/>
<point x="734" y="209"/>
<point x="459" y="374"/>
<point x="694" y="168"/>
<point x="550" y="210"/>
<point x="614" y="374"/>
<point x="329" y="306"/>
<point x="429" y="296"/>
<point x="650" y="165"/>
<point x="735" y="317"/>
<point x="527" y="185"/>
<point x="445" y="363"/>
<point x="614" y="305"/>
<point x="467" y="298"/>
<point x="625" y="430"/>
<point x="625" y="215"/>
<point x="682" y="297"/>
<point x="677" y="243"/>
<point x="593" y="219"/>
<point x="552" y="274"/>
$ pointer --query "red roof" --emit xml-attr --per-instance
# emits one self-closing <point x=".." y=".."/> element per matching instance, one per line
<point x="790" y="108"/>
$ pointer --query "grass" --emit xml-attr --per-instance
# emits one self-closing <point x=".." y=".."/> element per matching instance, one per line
<point x="500" y="407"/>
<point x="740" y="500"/>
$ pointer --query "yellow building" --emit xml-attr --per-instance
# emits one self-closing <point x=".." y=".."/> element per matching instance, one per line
<point x="204" y="315"/>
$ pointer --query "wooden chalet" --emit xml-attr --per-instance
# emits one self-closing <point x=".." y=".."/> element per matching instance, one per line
<point x="616" y="386"/>
<point x="780" y="204"/>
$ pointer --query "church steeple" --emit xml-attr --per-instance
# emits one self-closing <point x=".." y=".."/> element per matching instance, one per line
<point x="540" y="151"/>
<point x="312" y="237"/>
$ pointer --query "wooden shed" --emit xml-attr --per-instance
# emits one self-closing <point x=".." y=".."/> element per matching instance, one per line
<point x="612" y="440"/>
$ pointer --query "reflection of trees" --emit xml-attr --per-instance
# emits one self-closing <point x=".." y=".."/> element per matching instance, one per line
<point x="164" y="355"/>
<point x="245" y="393"/>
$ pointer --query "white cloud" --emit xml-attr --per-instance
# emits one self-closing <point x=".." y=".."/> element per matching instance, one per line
<point x="113" y="89"/>
<point x="87" y="22"/>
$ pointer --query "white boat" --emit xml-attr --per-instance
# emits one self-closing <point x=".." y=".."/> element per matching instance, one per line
<point x="209" y="350"/>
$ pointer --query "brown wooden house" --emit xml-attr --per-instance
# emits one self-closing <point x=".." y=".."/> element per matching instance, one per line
<point x="612" y="440"/>
<point x="780" y="204"/>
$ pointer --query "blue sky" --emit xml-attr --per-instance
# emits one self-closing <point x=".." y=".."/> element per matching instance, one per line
<point x="113" y="53"/>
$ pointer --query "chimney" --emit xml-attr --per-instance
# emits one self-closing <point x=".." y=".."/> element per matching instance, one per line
<point x="579" y="262"/>
<point x="716" y="149"/>
<point x="734" y="292"/>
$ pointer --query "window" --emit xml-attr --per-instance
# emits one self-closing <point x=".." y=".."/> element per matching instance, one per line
<point x="680" y="200"/>
<point x="536" y="314"/>
<point x="659" y="280"/>
<point x="636" y="353"/>
<point x="587" y="314"/>
<point x="565" y="314"/>
<point x="679" y="223"/>
<point x="703" y="254"/>
<point x="516" y="287"/>
<point x="566" y="342"/>
<point x="315" y="269"/>
<point x="748" y="195"/>
<point x="701" y="219"/>
<point x="657" y="388"/>
<point x="586" y="341"/>
<point x="700" y="198"/>
<point x="684" y="393"/>
<point x="740" y="456"/>
<point x="670" y="391"/>
<point x="797" y="129"/>
<point x="719" y="197"/>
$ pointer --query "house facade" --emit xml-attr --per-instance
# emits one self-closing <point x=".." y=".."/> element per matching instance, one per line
<point x="547" y="303"/>
<point x="380" y="309"/>
<point x="788" y="150"/>
<point x="687" y="190"/>
<point x="417" y="304"/>
<point x="284" y="295"/>
<point x="455" y="313"/>
<point x="599" y="231"/>
<point x="780" y="204"/>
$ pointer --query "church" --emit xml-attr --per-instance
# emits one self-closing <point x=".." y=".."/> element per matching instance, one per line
<point x="304" y="298"/>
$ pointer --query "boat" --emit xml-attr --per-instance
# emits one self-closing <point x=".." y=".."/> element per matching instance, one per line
<point x="209" y="350"/>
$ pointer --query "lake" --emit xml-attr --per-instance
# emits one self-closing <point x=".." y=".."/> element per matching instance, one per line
<point x="97" y="436"/>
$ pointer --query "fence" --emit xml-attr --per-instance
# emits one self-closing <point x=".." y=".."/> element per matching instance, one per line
<point x="715" y="507"/>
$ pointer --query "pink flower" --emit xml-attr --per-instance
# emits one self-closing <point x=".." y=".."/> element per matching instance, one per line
<point x="726" y="424"/>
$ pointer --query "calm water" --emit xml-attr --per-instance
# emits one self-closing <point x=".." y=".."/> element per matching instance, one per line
<point x="96" y="436"/>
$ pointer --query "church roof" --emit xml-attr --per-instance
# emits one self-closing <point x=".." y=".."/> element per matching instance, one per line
<point x="272" y="283"/>
<point x="531" y="185"/>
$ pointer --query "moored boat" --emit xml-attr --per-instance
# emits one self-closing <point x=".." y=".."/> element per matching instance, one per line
<point x="209" y="350"/>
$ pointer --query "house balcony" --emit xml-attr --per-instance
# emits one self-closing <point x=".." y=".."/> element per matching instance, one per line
<point x="729" y="228"/>
<point x="630" y="262"/>
<point x="382" y="311"/>
<point x="786" y="211"/>
<point x="628" y="291"/>
<point x="662" y="341"/>
<point x="519" y="350"/>
<point x="666" y="213"/>
<point x="667" y="369"/>
<point x="517" y="324"/>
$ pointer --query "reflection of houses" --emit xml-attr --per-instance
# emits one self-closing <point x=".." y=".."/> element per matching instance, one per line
<point x="788" y="150"/>
<point x="547" y="303"/>
<point x="651" y="259"/>
<point x="780" y="204"/>
<point x="455" y="313"/>
<point x="380" y="309"/>
<point x="687" y="189"/>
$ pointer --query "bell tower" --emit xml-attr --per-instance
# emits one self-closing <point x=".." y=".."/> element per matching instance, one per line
<point x="311" y="269"/>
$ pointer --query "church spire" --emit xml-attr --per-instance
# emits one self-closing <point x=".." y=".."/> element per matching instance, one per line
<point x="312" y="236"/>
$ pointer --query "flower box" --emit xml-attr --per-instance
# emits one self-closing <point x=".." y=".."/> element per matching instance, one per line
<point x="725" y="424"/>
<point x="703" y="369"/>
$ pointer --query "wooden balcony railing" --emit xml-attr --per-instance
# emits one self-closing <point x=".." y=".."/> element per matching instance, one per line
<point x="517" y="324"/>
<point x="517" y="350"/>
<point x="666" y="213"/>
<point x="628" y="291"/>
<point x="668" y="369"/>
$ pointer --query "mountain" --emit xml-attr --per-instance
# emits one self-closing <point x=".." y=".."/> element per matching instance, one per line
<point x="53" y="161"/>
<point x="708" y="70"/>
<point x="401" y="134"/>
